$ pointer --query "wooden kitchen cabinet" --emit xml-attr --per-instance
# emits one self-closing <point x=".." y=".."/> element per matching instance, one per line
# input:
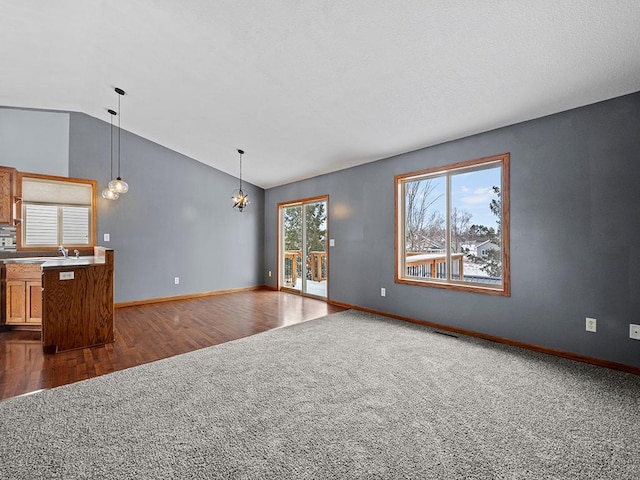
<point x="7" y="187"/>
<point x="77" y="308"/>
<point x="16" y="298"/>
<point x="23" y="294"/>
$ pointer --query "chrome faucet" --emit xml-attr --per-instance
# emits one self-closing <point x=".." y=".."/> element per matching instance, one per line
<point x="64" y="251"/>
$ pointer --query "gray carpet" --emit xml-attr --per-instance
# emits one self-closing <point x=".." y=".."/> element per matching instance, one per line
<point x="348" y="396"/>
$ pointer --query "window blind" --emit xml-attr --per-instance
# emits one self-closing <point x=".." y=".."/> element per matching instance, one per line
<point x="75" y="225"/>
<point x="41" y="225"/>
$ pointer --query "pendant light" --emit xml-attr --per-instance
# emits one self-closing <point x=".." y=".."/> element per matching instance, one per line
<point x="106" y="193"/>
<point x="240" y="198"/>
<point x="118" y="185"/>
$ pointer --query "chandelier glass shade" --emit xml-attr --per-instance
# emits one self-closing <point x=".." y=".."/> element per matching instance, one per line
<point x="110" y="195"/>
<point x="118" y="186"/>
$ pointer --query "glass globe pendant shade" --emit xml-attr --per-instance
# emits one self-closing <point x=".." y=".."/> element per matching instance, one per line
<point x="240" y="200"/>
<point x="109" y="195"/>
<point x="118" y="186"/>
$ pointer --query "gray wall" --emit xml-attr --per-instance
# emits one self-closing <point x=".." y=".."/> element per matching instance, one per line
<point x="175" y="221"/>
<point x="35" y="141"/>
<point x="575" y="196"/>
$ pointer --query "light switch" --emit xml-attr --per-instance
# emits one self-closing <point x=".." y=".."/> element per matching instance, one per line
<point x="332" y="242"/>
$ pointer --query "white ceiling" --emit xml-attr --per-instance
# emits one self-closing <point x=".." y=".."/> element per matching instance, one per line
<point x="310" y="87"/>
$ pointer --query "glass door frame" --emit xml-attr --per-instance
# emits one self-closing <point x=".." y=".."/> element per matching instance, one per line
<point x="280" y="255"/>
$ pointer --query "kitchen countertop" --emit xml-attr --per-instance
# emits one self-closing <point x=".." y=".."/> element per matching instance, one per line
<point x="57" y="262"/>
<point x="7" y="255"/>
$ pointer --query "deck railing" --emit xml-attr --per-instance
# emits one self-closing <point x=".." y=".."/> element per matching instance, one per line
<point x="293" y="265"/>
<point x="434" y="265"/>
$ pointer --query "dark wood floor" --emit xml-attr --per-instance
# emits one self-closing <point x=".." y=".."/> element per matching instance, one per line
<point x="147" y="333"/>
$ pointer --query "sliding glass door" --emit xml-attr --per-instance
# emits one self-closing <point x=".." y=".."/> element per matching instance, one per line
<point x="291" y="253"/>
<point x="304" y="265"/>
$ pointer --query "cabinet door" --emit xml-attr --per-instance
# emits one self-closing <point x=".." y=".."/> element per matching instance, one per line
<point x="33" y="302"/>
<point x="6" y="191"/>
<point x="16" y="296"/>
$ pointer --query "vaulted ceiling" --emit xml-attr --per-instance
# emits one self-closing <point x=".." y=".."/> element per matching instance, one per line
<point x="310" y="87"/>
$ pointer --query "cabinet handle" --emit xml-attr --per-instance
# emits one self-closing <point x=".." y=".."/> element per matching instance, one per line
<point x="16" y="220"/>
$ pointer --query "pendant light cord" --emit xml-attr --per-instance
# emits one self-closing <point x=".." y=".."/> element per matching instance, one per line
<point x="111" y="112"/>
<point x="241" y="174"/>
<point x="119" y="111"/>
<point x="241" y="152"/>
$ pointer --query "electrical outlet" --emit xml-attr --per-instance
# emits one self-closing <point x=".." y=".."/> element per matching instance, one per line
<point x="383" y="292"/>
<point x="176" y="280"/>
<point x="591" y="324"/>
<point x="634" y="331"/>
<point x="107" y="237"/>
<point x="269" y="272"/>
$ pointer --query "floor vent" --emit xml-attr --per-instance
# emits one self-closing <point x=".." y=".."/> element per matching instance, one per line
<point x="445" y="333"/>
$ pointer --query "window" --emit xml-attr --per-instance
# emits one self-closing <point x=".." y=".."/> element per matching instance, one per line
<point x="453" y="226"/>
<point x="57" y="212"/>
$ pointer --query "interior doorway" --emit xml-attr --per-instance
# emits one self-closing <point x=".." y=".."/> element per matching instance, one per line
<point x="303" y="255"/>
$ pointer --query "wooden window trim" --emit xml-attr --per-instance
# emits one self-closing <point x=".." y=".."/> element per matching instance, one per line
<point x="280" y="241"/>
<point x="94" y="209"/>
<point x="505" y="291"/>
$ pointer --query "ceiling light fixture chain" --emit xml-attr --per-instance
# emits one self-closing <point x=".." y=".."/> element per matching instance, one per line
<point x="239" y="197"/>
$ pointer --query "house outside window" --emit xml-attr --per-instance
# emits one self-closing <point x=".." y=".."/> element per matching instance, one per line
<point x="453" y="226"/>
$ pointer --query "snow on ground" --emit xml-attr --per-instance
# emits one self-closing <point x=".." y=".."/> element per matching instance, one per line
<point x="474" y="269"/>
<point x="313" y="288"/>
